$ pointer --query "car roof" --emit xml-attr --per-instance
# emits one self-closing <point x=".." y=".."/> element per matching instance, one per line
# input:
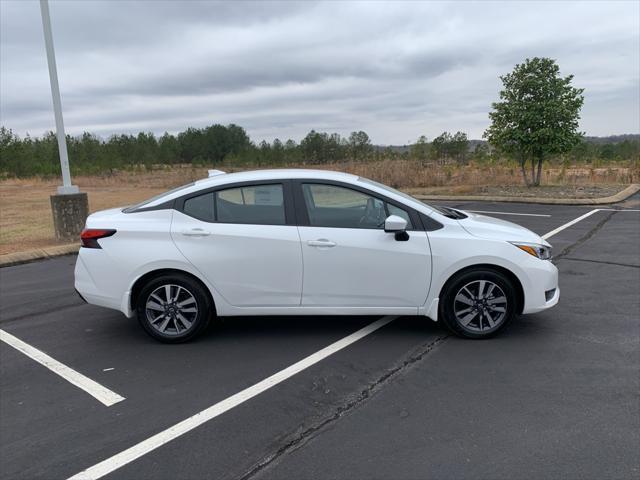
<point x="276" y="174"/>
<point x="220" y="179"/>
<point x="247" y="176"/>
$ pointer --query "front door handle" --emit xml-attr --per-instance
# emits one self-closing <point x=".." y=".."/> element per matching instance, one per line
<point x="195" y="232"/>
<point x="321" y="242"/>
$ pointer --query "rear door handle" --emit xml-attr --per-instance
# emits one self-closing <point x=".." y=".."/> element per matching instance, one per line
<point x="195" y="232"/>
<point x="321" y="242"/>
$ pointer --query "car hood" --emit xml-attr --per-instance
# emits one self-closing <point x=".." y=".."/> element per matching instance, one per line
<point x="483" y="226"/>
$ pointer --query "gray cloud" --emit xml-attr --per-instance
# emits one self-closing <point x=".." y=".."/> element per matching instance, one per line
<point x="397" y="70"/>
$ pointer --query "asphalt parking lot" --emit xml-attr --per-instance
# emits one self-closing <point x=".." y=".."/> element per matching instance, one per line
<point x="556" y="395"/>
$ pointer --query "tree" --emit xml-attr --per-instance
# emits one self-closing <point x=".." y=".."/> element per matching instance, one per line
<point x="459" y="146"/>
<point x="313" y="147"/>
<point x="537" y="115"/>
<point x="168" y="149"/>
<point x="359" y="145"/>
<point x="440" y="147"/>
<point x="481" y="152"/>
<point x="420" y="149"/>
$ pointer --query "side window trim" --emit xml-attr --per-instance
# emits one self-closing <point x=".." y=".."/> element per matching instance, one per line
<point x="289" y="209"/>
<point x="302" y="215"/>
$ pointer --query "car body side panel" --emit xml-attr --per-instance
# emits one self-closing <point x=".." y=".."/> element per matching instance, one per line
<point x="249" y="265"/>
<point x="365" y="268"/>
<point x="105" y="275"/>
<point x="453" y="249"/>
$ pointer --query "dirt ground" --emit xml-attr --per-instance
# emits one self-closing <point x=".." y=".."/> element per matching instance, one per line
<point x="25" y="210"/>
<point x="25" y="219"/>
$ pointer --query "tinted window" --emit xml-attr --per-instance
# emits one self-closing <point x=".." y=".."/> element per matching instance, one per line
<point x="200" y="207"/>
<point x="393" y="210"/>
<point x="256" y="204"/>
<point x="334" y="206"/>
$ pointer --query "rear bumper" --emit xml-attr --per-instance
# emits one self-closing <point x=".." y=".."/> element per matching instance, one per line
<point x="86" y="287"/>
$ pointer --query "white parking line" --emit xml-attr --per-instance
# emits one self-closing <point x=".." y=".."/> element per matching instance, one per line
<point x="568" y="224"/>
<point x="129" y="455"/>
<point x="94" y="389"/>
<point x="510" y="213"/>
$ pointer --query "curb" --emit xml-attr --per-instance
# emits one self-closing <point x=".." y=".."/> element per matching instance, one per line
<point x="27" y="256"/>
<point x="618" y="197"/>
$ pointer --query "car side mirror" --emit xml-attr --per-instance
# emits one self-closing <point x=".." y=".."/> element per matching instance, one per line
<point x="397" y="225"/>
<point x="394" y="224"/>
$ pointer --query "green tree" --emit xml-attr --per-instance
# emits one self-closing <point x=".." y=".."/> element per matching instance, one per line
<point x="459" y="146"/>
<point x="420" y="149"/>
<point x="359" y="145"/>
<point x="537" y="115"/>
<point x="168" y="149"/>
<point x="313" y="147"/>
<point x="481" y="152"/>
<point x="440" y="147"/>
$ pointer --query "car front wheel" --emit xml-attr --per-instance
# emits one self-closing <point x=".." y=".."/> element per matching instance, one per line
<point x="478" y="304"/>
<point x="173" y="308"/>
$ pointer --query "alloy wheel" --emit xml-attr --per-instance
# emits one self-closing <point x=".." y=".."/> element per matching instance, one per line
<point x="171" y="309"/>
<point x="480" y="306"/>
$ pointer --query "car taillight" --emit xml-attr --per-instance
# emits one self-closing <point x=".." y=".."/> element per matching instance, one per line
<point x="90" y="236"/>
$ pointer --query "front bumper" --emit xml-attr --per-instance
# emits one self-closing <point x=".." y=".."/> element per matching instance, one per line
<point x="542" y="291"/>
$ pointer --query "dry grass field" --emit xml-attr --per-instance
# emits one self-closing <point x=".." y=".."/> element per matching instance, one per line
<point x="25" y="212"/>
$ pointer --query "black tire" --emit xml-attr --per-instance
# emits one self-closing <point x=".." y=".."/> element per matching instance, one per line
<point x="182" y="324"/>
<point x="454" y="303"/>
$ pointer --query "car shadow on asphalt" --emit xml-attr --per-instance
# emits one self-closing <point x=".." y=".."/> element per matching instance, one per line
<point x="247" y="328"/>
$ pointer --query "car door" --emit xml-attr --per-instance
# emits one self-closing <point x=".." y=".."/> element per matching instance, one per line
<point x="244" y="241"/>
<point x="349" y="260"/>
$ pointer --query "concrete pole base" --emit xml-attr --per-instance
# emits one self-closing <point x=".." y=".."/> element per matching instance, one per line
<point x="69" y="214"/>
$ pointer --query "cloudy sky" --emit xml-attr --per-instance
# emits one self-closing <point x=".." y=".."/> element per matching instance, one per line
<point x="396" y="70"/>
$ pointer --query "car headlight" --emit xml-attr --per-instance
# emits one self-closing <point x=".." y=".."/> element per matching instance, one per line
<point x="539" y="251"/>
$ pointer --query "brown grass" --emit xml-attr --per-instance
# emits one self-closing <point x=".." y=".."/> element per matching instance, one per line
<point x="413" y="174"/>
<point x="25" y="212"/>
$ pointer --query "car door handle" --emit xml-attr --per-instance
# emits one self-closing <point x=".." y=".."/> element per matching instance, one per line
<point x="321" y="242"/>
<point x="195" y="232"/>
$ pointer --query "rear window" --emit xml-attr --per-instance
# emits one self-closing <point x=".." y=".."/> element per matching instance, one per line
<point x="201" y="207"/>
<point x="252" y="204"/>
<point x="256" y="204"/>
<point x="144" y="203"/>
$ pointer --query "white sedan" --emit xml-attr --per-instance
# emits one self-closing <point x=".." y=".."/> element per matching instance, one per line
<point x="305" y="242"/>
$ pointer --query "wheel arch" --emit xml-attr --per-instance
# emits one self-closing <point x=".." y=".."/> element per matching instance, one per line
<point x="496" y="268"/>
<point x="139" y="284"/>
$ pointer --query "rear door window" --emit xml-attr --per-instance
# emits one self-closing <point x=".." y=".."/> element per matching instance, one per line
<point x="254" y="204"/>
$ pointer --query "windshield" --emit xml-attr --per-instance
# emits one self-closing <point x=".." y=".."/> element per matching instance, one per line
<point x="144" y="203"/>
<point x="392" y="190"/>
<point x="446" y="211"/>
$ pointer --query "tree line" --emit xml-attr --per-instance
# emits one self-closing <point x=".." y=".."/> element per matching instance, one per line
<point x="219" y="145"/>
<point x="535" y="119"/>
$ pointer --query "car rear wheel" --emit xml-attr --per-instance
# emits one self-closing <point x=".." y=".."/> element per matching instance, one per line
<point x="478" y="304"/>
<point x="173" y="308"/>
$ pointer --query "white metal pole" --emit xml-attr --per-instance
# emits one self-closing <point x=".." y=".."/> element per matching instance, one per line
<point x="66" y="187"/>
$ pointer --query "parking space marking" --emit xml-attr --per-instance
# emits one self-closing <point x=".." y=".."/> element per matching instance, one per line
<point x="129" y="455"/>
<point x="569" y="224"/>
<point x="509" y="213"/>
<point x="99" y="392"/>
